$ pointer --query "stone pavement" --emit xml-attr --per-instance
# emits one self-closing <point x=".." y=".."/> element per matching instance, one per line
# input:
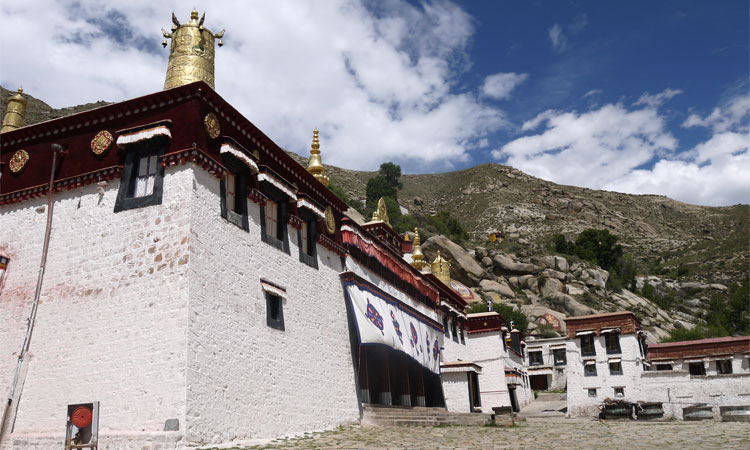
<point x="533" y="434"/>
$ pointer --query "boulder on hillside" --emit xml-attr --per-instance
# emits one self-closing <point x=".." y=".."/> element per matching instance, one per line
<point x="504" y="265"/>
<point x="567" y="304"/>
<point x="501" y="288"/>
<point x="561" y="264"/>
<point x="550" y="286"/>
<point x="463" y="267"/>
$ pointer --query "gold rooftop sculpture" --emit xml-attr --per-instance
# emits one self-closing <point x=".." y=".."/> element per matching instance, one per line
<point x="16" y="112"/>
<point x="191" y="55"/>
<point x="315" y="163"/>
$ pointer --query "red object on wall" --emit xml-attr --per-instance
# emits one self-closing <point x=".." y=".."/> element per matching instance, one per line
<point x="81" y="417"/>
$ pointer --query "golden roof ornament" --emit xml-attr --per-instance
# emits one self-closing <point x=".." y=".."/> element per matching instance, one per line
<point x="315" y="164"/>
<point x="381" y="212"/>
<point x="191" y="54"/>
<point x="417" y="257"/>
<point x="441" y="268"/>
<point x="16" y="112"/>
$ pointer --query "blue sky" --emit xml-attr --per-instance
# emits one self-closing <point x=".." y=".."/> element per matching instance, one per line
<point x="639" y="97"/>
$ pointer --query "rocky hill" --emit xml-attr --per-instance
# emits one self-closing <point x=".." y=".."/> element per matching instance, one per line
<point x="688" y="250"/>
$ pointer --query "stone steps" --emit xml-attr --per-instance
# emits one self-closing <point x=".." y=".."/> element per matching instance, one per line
<point x="419" y="417"/>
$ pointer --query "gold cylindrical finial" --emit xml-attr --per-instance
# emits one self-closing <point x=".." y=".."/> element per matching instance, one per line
<point x="315" y="163"/>
<point x="417" y="257"/>
<point x="16" y="112"/>
<point x="441" y="269"/>
<point x="191" y="54"/>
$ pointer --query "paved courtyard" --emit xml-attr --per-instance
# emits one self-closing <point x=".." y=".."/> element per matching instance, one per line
<point x="539" y="433"/>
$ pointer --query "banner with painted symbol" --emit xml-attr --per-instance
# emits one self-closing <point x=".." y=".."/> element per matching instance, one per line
<point x="382" y="319"/>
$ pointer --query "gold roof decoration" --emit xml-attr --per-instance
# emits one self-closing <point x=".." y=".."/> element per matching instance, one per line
<point x="381" y="213"/>
<point x="191" y="54"/>
<point x="315" y="164"/>
<point x="417" y="257"/>
<point x="441" y="268"/>
<point x="16" y="112"/>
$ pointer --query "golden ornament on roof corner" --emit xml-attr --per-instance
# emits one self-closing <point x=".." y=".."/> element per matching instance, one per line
<point x="16" y="112"/>
<point x="191" y="55"/>
<point x="417" y="257"/>
<point x="315" y="163"/>
<point x="441" y="268"/>
<point x="381" y="212"/>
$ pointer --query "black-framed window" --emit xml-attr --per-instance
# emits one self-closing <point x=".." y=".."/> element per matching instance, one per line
<point x="274" y="311"/>
<point x="307" y="237"/>
<point x="560" y="357"/>
<point x="592" y="392"/>
<point x="446" y="329"/>
<point x="619" y="392"/>
<point x="234" y="192"/>
<point x="505" y="341"/>
<point x="536" y="358"/>
<point x="697" y="368"/>
<point x="461" y="331"/>
<point x="724" y="366"/>
<point x="142" y="181"/>
<point x="589" y="369"/>
<point x="664" y="367"/>
<point x="615" y="368"/>
<point x="612" y="343"/>
<point x="587" y="345"/>
<point x="454" y="328"/>
<point x="273" y="219"/>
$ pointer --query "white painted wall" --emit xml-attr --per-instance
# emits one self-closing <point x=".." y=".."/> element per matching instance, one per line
<point x="112" y="320"/>
<point x="456" y="391"/>
<point x="555" y="380"/>
<point x="247" y="380"/>
<point x="579" y="403"/>
<point x="487" y="351"/>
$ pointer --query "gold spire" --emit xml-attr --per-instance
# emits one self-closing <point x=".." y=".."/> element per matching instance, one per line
<point x="441" y="269"/>
<point x="417" y="257"/>
<point x="16" y="112"/>
<point x="191" y="55"/>
<point x="381" y="213"/>
<point x="315" y="164"/>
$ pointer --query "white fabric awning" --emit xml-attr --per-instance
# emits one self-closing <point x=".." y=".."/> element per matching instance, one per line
<point x="589" y="362"/>
<point x="239" y="154"/>
<point x="585" y="333"/>
<point x="610" y="330"/>
<point x="460" y="366"/>
<point x="720" y="358"/>
<point x="662" y="362"/>
<point x="143" y="134"/>
<point x="277" y="184"/>
<point x="695" y="360"/>
<point x="614" y="360"/>
<point x="304" y="203"/>
<point x="272" y="288"/>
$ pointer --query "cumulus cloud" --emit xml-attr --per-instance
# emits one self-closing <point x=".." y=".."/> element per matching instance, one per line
<point x="657" y="100"/>
<point x="630" y="150"/>
<point x="499" y="85"/>
<point x="377" y="79"/>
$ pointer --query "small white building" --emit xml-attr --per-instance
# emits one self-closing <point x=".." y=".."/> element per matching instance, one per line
<point x="547" y="363"/>
<point x="605" y="358"/>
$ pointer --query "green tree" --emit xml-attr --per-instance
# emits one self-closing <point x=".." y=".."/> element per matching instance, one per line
<point x="392" y="174"/>
<point x="599" y="247"/>
<point x="378" y="187"/>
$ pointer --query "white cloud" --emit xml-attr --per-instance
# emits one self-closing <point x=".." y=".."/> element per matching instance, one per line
<point x="592" y="93"/>
<point x="657" y="100"/>
<point x="499" y="85"/>
<point x="379" y="84"/>
<point x="631" y="151"/>
<point x="558" y="38"/>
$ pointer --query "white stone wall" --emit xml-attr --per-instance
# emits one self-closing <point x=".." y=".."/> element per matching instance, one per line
<point x="677" y="389"/>
<point x="247" y="380"/>
<point x="487" y="351"/>
<point x="524" y="394"/>
<point x="112" y="320"/>
<point x="579" y="402"/>
<point x="456" y="391"/>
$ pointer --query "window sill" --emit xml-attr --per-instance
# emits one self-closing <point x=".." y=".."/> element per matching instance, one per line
<point x="311" y="261"/>
<point x="239" y="220"/>
<point x="274" y="242"/>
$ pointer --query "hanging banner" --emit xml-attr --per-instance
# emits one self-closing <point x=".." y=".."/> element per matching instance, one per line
<point x="381" y="319"/>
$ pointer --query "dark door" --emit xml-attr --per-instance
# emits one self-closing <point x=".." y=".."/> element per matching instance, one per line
<point x="513" y="401"/>
<point x="538" y="382"/>
<point x="475" y="400"/>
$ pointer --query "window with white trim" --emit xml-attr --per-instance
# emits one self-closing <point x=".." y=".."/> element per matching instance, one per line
<point x="142" y="178"/>
<point x="234" y="191"/>
<point x="587" y="345"/>
<point x="615" y="368"/>
<point x="592" y="393"/>
<point x="724" y="366"/>
<point x="274" y="218"/>
<point x="3" y="267"/>
<point x="308" y="236"/>
<point x="560" y="356"/>
<point x="589" y="368"/>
